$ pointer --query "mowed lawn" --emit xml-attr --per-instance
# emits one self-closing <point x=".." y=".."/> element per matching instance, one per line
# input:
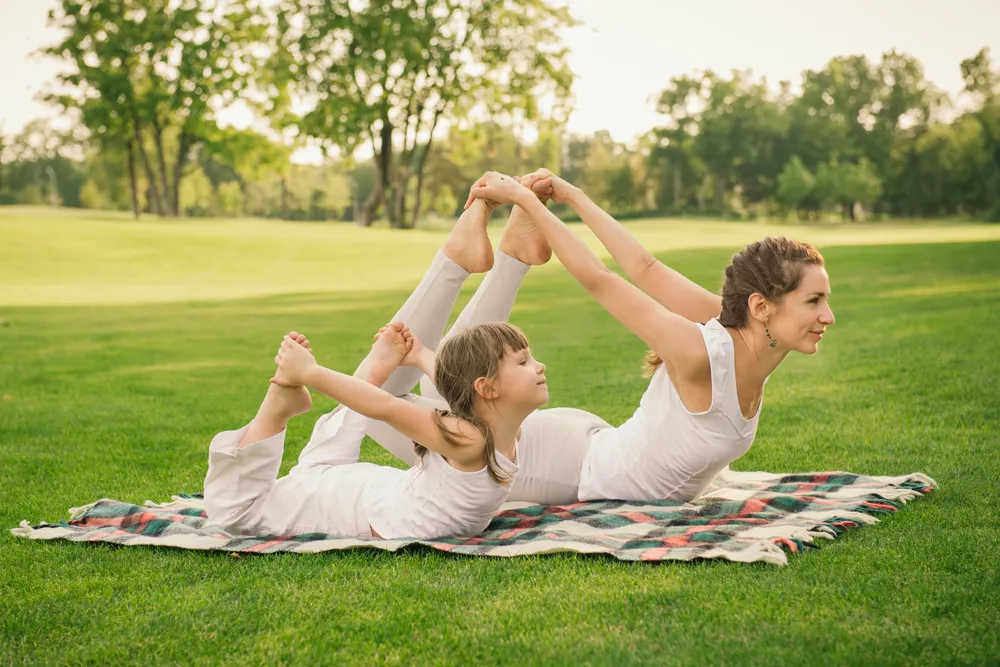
<point x="119" y="395"/>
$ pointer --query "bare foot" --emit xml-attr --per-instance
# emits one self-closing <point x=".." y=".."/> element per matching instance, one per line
<point x="522" y="241"/>
<point x="287" y="402"/>
<point x="278" y="378"/>
<point x="281" y="403"/>
<point x="387" y="352"/>
<point x="468" y="245"/>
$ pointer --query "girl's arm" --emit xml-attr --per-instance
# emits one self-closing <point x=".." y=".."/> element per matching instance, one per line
<point x="675" y="339"/>
<point x="415" y="422"/>
<point x="297" y="365"/>
<point x="670" y="288"/>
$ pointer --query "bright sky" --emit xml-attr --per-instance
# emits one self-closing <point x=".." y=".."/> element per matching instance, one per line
<point x="629" y="49"/>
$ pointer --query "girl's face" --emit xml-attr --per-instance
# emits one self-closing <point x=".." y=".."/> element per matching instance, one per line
<point x="521" y="380"/>
<point x="804" y="314"/>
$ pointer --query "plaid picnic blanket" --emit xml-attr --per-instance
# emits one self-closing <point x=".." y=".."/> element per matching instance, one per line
<point x="744" y="517"/>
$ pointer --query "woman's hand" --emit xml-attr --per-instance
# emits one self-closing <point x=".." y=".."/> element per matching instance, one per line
<point x="499" y="188"/>
<point x="294" y="361"/>
<point x="546" y="184"/>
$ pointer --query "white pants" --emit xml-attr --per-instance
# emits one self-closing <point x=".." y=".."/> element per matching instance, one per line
<point x="553" y="442"/>
<point x="324" y="493"/>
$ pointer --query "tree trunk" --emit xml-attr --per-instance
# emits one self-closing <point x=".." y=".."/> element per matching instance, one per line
<point x="132" y="184"/>
<point x="284" y="198"/>
<point x="398" y="219"/>
<point x="701" y="193"/>
<point x="720" y="191"/>
<point x="385" y="168"/>
<point x="367" y="216"/>
<point x="678" y="185"/>
<point x="182" y="158"/>
<point x="162" y="161"/>
<point x="155" y="197"/>
<point x="420" y="169"/>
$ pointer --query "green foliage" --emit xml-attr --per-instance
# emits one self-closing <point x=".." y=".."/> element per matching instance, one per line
<point x="145" y="73"/>
<point x="795" y="184"/>
<point x="869" y="133"/>
<point x="386" y="74"/>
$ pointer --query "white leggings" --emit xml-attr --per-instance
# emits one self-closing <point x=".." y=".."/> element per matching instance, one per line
<point x="324" y="493"/>
<point x="553" y="442"/>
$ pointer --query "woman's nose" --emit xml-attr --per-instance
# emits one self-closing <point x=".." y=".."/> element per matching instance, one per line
<point x="828" y="318"/>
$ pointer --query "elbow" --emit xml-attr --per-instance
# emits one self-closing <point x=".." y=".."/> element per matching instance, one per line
<point x="642" y="265"/>
<point x="599" y="280"/>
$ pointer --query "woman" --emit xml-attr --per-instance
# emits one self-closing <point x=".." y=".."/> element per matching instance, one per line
<point x="701" y="409"/>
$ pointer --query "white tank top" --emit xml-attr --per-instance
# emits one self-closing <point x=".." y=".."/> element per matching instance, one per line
<point x="664" y="451"/>
<point x="432" y="499"/>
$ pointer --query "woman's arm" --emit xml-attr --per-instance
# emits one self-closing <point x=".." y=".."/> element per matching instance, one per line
<point x="676" y="339"/>
<point x="671" y="289"/>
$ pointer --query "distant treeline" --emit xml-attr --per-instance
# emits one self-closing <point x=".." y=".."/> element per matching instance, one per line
<point x="441" y="91"/>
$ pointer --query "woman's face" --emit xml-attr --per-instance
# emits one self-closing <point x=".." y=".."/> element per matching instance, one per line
<point x="804" y="314"/>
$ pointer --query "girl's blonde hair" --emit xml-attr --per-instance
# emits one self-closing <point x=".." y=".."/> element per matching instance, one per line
<point x="471" y="354"/>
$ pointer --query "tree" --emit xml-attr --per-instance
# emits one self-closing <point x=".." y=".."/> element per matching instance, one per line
<point x="41" y="168"/>
<point x="983" y="82"/>
<point x="845" y="184"/>
<point x="387" y="73"/>
<point x="149" y="75"/>
<point x="795" y="184"/>
<point x="673" y="152"/>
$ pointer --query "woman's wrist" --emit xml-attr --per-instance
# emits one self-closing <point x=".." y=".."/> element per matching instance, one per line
<point x="576" y="197"/>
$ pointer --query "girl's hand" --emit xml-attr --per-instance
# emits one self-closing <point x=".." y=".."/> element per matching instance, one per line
<point x="497" y="187"/>
<point x="294" y="361"/>
<point x="414" y="346"/>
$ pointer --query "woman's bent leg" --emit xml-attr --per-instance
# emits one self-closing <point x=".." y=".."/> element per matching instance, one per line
<point x="492" y="302"/>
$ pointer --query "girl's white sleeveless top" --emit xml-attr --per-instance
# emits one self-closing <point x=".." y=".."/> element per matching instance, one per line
<point x="664" y="451"/>
<point x="432" y="499"/>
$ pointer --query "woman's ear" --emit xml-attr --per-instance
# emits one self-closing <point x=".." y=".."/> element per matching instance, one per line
<point x="759" y="307"/>
<point x="486" y="389"/>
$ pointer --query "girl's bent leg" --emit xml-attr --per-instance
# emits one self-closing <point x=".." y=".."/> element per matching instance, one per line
<point x="395" y="442"/>
<point x="336" y="440"/>
<point x="239" y="478"/>
<point x="279" y="405"/>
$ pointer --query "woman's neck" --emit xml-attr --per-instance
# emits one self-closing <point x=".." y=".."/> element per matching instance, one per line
<point x="754" y="358"/>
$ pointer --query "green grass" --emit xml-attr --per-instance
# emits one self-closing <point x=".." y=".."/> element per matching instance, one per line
<point x="86" y="257"/>
<point x="120" y="400"/>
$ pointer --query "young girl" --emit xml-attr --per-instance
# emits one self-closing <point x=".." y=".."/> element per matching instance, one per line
<point x="702" y="405"/>
<point x="468" y="455"/>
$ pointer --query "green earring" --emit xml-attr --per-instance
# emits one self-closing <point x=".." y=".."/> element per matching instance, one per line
<point x="768" y="334"/>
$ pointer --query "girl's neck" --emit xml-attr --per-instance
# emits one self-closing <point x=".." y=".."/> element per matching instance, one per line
<point x="506" y="425"/>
